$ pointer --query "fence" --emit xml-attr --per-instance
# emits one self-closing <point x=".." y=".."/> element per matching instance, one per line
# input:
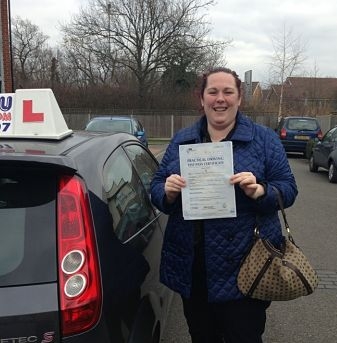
<point x="164" y="123"/>
<point x="158" y="124"/>
<point x="327" y="122"/>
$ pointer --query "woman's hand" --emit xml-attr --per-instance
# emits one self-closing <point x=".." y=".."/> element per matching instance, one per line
<point x="173" y="185"/>
<point x="247" y="182"/>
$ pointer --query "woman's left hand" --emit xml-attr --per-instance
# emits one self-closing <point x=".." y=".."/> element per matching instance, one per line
<point x="247" y="182"/>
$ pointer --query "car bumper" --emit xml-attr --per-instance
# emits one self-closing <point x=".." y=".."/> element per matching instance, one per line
<point x="294" y="146"/>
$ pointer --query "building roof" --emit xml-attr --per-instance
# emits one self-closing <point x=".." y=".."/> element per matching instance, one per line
<point x="311" y="88"/>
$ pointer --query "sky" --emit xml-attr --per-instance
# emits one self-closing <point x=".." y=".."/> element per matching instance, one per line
<point x="250" y="24"/>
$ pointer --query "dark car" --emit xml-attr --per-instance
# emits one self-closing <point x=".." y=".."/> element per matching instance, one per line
<point x="295" y="132"/>
<point x="80" y="240"/>
<point x="309" y="147"/>
<point x="118" y="124"/>
<point x="324" y="155"/>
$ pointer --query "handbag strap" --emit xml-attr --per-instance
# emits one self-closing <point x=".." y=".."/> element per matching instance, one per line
<point x="286" y="225"/>
<point x="280" y="202"/>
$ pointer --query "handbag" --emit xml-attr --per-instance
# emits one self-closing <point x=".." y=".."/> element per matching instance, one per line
<point x="268" y="273"/>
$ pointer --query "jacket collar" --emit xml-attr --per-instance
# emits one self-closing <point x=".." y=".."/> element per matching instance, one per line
<point x="244" y="130"/>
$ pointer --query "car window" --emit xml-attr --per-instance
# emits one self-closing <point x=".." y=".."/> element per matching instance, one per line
<point x="135" y="128"/>
<point x="145" y="165"/>
<point x="334" y="135"/>
<point x="302" y="124"/>
<point x="327" y="137"/>
<point x="97" y="125"/>
<point x="330" y="136"/>
<point x="28" y="227"/>
<point x="121" y="125"/>
<point x="128" y="201"/>
<point x="110" y="125"/>
<point x="139" y="126"/>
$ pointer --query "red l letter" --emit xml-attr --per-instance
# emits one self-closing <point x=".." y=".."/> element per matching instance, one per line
<point x="28" y="115"/>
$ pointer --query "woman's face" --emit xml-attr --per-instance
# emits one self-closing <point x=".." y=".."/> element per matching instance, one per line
<point x="220" y="100"/>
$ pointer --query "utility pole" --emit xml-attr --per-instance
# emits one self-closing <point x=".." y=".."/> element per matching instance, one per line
<point x="109" y="40"/>
<point x="6" y="66"/>
<point x="109" y="28"/>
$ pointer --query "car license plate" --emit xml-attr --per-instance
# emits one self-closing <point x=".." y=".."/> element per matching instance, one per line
<point x="302" y="138"/>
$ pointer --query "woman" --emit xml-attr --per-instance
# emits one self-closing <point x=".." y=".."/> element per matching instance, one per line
<point x="201" y="258"/>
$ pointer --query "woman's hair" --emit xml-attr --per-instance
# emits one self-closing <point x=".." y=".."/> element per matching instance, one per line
<point x="205" y="75"/>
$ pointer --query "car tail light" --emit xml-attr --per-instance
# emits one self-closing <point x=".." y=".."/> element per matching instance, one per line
<point x="79" y="276"/>
<point x="320" y="134"/>
<point x="283" y="133"/>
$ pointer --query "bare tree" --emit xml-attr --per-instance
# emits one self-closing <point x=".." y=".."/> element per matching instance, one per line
<point x="288" y="56"/>
<point x="142" y="36"/>
<point x="88" y="59"/>
<point x="31" y="55"/>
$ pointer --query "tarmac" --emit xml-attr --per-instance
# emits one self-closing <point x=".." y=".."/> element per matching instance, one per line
<point x="158" y="150"/>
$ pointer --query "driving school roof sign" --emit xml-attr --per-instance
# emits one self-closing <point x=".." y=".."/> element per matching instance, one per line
<point x="31" y="113"/>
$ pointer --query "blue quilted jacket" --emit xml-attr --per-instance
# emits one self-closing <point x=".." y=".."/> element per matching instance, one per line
<point x="256" y="149"/>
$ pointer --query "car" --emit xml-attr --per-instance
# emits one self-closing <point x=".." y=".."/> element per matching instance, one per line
<point x="309" y="147"/>
<point x="324" y="155"/>
<point x="80" y="240"/>
<point x="295" y="132"/>
<point x="118" y="124"/>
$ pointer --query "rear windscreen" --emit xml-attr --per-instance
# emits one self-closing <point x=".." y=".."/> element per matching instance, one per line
<point x="27" y="227"/>
<point x="113" y="125"/>
<point x="302" y="124"/>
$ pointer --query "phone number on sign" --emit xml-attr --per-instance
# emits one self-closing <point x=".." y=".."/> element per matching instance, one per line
<point x="4" y="127"/>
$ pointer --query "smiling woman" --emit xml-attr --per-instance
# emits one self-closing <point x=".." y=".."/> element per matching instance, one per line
<point x="220" y="99"/>
<point x="201" y="258"/>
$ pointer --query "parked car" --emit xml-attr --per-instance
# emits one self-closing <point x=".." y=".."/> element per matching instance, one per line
<point x="295" y="132"/>
<point x="80" y="240"/>
<point x="324" y="155"/>
<point x="118" y="124"/>
<point x="309" y="147"/>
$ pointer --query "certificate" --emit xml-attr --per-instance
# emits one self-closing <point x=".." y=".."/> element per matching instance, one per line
<point x="207" y="168"/>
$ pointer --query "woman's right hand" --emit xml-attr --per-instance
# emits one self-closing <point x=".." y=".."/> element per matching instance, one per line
<point x="173" y="185"/>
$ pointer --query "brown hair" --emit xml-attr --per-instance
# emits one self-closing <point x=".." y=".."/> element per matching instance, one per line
<point x="205" y="75"/>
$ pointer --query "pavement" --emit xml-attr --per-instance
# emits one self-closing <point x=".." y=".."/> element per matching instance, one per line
<point x="158" y="150"/>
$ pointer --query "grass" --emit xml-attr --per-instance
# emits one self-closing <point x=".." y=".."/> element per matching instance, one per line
<point x="158" y="141"/>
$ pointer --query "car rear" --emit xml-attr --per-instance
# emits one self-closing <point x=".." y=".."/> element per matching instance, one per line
<point x="115" y="124"/>
<point x="49" y="272"/>
<point x="65" y="276"/>
<point x="295" y="132"/>
<point x="28" y="263"/>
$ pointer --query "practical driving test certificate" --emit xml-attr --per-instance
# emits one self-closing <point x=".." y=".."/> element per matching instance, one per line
<point x="207" y="168"/>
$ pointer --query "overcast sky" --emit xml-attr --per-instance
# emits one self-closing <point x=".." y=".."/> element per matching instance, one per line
<point x="249" y="23"/>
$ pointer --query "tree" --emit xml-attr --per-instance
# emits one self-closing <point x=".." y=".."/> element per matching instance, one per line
<point x="142" y="37"/>
<point x="31" y="55"/>
<point x="288" y="56"/>
<point x="88" y="59"/>
<point x="194" y="55"/>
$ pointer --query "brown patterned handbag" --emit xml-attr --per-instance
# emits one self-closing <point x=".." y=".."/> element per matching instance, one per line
<point x="268" y="273"/>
